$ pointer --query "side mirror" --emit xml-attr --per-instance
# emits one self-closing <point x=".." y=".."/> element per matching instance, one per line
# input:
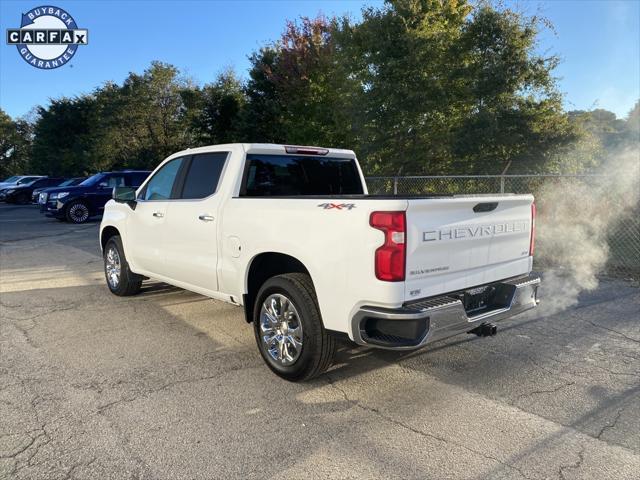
<point x="125" y="195"/>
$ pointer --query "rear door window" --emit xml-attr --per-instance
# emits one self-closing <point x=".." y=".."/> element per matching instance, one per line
<point x="203" y="175"/>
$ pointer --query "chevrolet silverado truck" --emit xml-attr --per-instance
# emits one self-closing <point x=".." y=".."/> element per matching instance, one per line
<point x="291" y="234"/>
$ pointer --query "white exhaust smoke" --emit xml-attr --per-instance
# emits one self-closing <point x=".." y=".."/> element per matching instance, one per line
<point x="574" y="223"/>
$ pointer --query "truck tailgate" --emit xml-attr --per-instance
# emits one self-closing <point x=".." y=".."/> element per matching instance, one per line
<point x="463" y="241"/>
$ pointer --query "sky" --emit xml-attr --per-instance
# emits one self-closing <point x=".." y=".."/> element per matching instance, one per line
<point x="598" y="42"/>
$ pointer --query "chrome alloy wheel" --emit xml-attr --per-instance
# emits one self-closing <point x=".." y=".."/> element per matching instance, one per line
<point x="79" y="212"/>
<point x="281" y="329"/>
<point x="112" y="266"/>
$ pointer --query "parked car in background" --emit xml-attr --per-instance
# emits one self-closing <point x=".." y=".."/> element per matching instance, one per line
<point x="78" y="203"/>
<point x="69" y="182"/>
<point x="21" y="193"/>
<point x="18" y="179"/>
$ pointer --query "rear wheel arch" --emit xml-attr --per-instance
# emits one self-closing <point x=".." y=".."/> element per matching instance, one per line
<point x="263" y="267"/>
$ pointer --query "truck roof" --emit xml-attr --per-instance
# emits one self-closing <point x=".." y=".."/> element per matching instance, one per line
<point x="267" y="148"/>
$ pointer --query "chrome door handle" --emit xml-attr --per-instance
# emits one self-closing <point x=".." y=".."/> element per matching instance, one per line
<point x="206" y="218"/>
<point x="158" y="214"/>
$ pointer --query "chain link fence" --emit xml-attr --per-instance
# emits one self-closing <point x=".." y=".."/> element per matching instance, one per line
<point x="621" y="218"/>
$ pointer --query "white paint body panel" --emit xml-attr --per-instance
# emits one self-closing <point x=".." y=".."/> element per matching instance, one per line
<point x="335" y="245"/>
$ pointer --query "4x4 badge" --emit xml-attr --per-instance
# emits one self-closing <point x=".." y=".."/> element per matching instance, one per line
<point x="337" y="206"/>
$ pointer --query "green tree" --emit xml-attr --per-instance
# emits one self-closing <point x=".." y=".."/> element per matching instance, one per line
<point x="64" y="137"/>
<point x="145" y="119"/>
<point x="401" y="56"/>
<point x="15" y="146"/>
<point x="297" y="88"/>
<point x="447" y="87"/>
<point x="218" y="107"/>
<point x="601" y="135"/>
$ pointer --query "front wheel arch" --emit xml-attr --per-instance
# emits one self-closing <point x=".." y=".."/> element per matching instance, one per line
<point x="108" y="232"/>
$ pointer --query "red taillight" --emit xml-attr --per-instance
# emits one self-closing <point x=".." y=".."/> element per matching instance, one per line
<point x="532" y="245"/>
<point x="390" y="257"/>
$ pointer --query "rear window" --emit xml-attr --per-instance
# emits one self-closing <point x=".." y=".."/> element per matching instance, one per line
<point x="290" y="175"/>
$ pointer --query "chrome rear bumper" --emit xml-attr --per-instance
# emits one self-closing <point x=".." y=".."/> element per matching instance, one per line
<point x="422" y="321"/>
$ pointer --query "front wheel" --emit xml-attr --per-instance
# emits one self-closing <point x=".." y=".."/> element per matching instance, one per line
<point x="288" y="328"/>
<point x="77" y="212"/>
<point x="120" y="279"/>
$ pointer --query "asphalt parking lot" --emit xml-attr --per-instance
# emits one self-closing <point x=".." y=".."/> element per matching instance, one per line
<point x="170" y="385"/>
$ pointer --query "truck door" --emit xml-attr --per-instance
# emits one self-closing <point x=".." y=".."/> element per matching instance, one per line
<point x="146" y="224"/>
<point x="191" y="233"/>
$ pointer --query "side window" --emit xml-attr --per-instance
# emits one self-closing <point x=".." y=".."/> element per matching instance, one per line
<point x="26" y="180"/>
<point x="115" y="181"/>
<point x="40" y="183"/>
<point x="204" y="175"/>
<point x="161" y="184"/>
<point x="137" y="178"/>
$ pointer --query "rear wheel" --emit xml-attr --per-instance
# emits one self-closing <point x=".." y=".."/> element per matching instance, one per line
<point x="289" y="330"/>
<point x="77" y="212"/>
<point x="120" y="279"/>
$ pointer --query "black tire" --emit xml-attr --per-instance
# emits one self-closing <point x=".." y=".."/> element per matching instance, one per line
<point x="318" y="346"/>
<point x="77" y="212"/>
<point x="129" y="283"/>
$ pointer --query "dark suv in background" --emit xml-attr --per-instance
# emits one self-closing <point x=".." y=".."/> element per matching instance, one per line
<point x="79" y="203"/>
<point x="69" y="182"/>
<point x="21" y="192"/>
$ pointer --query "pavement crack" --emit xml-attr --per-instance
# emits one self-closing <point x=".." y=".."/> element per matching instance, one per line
<point x="624" y="335"/>
<point x="610" y="425"/>
<point x="70" y="473"/>
<point x="46" y="313"/>
<point x="23" y="448"/>
<point x="572" y="466"/>
<point x="169" y="385"/>
<point x="422" y="433"/>
<point x="543" y="391"/>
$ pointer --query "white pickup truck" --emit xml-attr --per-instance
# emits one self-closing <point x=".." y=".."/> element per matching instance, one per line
<point x="291" y="234"/>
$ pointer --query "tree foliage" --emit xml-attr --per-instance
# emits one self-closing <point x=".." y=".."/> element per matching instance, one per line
<point x="15" y="145"/>
<point x="414" y="87"/>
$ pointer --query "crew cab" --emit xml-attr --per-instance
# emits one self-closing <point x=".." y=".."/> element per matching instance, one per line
<point x="291" y="234"/>
<point x="77" y="204"/>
